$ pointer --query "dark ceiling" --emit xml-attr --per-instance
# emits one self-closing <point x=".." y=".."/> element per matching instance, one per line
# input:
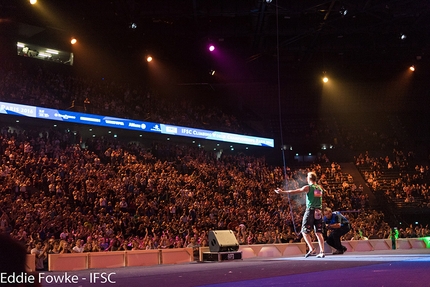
<point x="314" y="31"/>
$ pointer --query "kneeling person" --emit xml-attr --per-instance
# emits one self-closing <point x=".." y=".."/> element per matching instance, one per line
<point x="338" y="226"/>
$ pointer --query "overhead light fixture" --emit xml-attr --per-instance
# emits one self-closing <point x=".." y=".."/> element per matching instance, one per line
<point x="325" y="78"/>
<point x="412" y="68"/>
<point x="73" y="41"/>
<point x="149" y="59"/>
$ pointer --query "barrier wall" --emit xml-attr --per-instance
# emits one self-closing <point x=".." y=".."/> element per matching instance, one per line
<point x="379" y="244"/>
<point x="80" y="261"/>
<point x="272" y="250"/>
<point x="67" y="262"/>
<point x="142" y="257"/>
<point x="248" y="251"/>
<point x="269" y="251"/>
<point x="292" y="249"/>
<point x="417" y="243"/>
<point x="176" y="255"/>
<point x="361" y="245"/>
<point x="31" y="262"/>
<point x="348" y="246"/>
<point x="106" y="259"/>
<point x="327" y="248"/>
<point x="403" y="243"/>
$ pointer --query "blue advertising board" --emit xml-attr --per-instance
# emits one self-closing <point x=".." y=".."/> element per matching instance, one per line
<point x="119" y="123"/>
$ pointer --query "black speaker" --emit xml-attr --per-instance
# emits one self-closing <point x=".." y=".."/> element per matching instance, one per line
<point x="222" y="241"/>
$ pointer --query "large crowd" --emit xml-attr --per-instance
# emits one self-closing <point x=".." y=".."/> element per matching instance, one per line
<point x="46" y="84"/>
<point x="127" y="196"/>
<point x="398" y="176"/>
<point x="59" y="195"/>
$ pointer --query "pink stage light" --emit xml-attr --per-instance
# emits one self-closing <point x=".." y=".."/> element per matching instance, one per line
<point x="211" y="48"/>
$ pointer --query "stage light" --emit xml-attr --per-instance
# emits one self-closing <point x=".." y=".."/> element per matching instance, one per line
<point x="403" y="37"/>
<point x="149" y="59"/>
<point x="212" y="72"/>
<point x="32" y="2"/>
<point x="412" y="68"/>
<point x="211" y="48"/>
<point x="325" y="78"/>
<point x="73" y="41"/>
<point x="343" y="11"/>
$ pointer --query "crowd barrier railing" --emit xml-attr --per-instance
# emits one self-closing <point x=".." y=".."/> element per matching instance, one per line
<point x="143" y="257"/>
<point x="115" y="259"/>
<point x="68" y="261"/>
<point x="106" y="259"/>
<point x="31" y="262"/>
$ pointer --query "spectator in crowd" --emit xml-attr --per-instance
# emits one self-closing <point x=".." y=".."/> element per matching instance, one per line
<point x="55" y="249"/>
<point x="78" y="248"/>
<point x="195" y="246"/>
<point x="41" y="253"/>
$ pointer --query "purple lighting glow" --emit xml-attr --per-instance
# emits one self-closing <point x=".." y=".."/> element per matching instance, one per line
<point x="211" y="48"/>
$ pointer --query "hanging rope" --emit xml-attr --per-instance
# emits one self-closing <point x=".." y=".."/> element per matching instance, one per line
<point x="280" y="119"/>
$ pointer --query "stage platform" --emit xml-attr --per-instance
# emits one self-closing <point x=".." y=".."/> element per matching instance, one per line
<point x="376" y="268"/>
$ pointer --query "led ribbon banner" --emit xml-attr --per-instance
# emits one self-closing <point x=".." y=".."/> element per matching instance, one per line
<point x="119" y="123"/>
